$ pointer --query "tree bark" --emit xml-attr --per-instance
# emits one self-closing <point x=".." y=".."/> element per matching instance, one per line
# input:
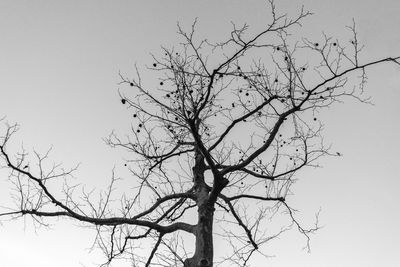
<point x="204" y="252"/>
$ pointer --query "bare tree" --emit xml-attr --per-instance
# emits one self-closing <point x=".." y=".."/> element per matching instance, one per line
<point x="216" y="145"/>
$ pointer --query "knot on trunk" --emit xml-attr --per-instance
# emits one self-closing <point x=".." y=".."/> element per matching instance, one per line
<point x="203" y="263"/>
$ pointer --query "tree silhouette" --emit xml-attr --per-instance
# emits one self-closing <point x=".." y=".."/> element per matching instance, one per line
<point x="216" y="144"/>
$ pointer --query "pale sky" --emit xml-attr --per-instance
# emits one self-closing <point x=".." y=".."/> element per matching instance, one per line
<point x="58" y="79"/>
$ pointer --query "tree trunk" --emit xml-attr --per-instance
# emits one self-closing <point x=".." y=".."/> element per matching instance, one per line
<point x="204" y="252"/>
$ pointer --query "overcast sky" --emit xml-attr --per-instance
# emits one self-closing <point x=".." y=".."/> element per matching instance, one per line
<point x="58" y="79"/>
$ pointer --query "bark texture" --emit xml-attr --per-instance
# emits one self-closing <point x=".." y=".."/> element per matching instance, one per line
<point x="204" y="251"/>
